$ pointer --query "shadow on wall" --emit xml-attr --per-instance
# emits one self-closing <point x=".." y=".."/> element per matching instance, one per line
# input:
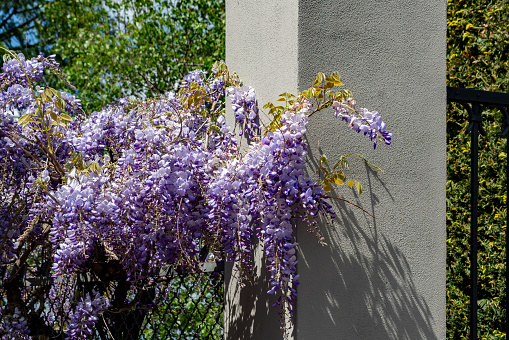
<point x="249" y="313"/>
<point x="361" y="285"/>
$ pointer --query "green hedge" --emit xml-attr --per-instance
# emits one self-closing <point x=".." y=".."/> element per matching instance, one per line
<point x="477" y="57"/>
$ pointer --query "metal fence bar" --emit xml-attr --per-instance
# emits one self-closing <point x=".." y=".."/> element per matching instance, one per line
<point x="507" y="242"/>
<point x="474" y="196"/>
<point x="474" y="101"/>
<point x="459" y="95"/>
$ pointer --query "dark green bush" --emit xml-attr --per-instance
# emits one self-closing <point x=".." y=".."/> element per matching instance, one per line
<point x="477" y="57"/>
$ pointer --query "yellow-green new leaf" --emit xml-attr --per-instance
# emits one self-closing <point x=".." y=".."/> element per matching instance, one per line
<point x="340" y="174"/>
<point x="329" y="85"/>
<point x="60" y="104"/>
<point x="358" y="187"/>
<point x="327" y="187"/>
<point x="65" y="117"/>
<point x="319" y="78"/>
<point x="55" y="92"/>
<point x="94" y="167"/>
<point x="268" y="105"/>
<point x="323" y="159"/>
<point x="48" y="93"/>
<point x="336" y="78"/>
<point x="25" y="119"/>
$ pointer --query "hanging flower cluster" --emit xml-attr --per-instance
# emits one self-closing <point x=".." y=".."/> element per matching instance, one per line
<point x="141" y="184"/>
<point x="370" y="123"/>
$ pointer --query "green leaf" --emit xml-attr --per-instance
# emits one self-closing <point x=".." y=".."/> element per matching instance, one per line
<point x="323" y="159"/>
<point x="340" y="175"/>
<point x="319" y="79"/>
<point x="336" y="78"/>
<point x="327" y="187"/>
<point x="287" y="95"/>
<point x="94" y="167"/>
<point x="268" y="105"/>
<point x="60" y="104"/>
<point x="55" y="92"/>
<point x="53" y="115"/>
<point x="215" y="128"/>
<point x="48" y="94"/>
<point x="328" y="85"/>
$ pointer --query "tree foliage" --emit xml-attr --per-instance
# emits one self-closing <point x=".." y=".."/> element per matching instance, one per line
<point x="477" y="57"/>
<point x="112" y="49"/>
<point x="18" y="22"/>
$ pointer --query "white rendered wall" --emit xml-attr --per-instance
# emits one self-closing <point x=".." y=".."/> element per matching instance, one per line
<point x="380" y="278"/>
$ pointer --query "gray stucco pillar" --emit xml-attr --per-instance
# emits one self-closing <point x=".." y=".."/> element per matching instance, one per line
<point x="380" y="278"/>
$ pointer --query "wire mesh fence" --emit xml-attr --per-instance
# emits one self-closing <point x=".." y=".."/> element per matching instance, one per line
<point x="171" y="305"/>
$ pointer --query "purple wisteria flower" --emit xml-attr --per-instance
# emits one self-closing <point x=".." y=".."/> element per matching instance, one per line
<point x="368" y="122"/>
<point x="86" y="315"/>
<point x="13" y="326"/>
<point x="245" y="108"/>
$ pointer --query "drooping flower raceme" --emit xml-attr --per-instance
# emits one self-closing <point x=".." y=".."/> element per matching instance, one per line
<point x="368" y="122"/>
<point x="13" y="326"/>
<point x="245" y="108"/>
<point x="85" y="316"/>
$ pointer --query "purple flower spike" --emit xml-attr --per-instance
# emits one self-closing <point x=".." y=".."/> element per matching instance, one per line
<point x="368" y="122"/>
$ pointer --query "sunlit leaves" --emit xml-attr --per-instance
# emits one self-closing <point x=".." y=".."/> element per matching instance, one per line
<point x="336" y="176"/>
<point x="25" y="119"/>
<point x="49" y="112"/>
<point x="320" y="94"/>
<point x="115" y="49"/>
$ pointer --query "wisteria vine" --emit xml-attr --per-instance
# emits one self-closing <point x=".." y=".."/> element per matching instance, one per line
<point x="146" y="183"/>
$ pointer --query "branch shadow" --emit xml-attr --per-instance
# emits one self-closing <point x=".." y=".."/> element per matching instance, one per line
<point x="360" y="286"/>
<point x="249" y="313"/>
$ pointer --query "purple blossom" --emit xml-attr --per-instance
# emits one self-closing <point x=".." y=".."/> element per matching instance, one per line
<point x="86" y="315"/>
<point x="13" y="326"/>
<point x="368" y="122"/>
<point x="245" y="108"/>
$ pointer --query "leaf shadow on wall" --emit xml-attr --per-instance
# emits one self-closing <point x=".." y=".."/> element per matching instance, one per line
<point x="361" y="285"/>
<point x="249" y="310"/>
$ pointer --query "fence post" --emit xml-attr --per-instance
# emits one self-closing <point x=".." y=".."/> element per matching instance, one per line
<point x="380" y="278"/>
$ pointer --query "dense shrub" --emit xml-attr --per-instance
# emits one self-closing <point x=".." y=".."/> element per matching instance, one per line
<point x="477" y="57"/>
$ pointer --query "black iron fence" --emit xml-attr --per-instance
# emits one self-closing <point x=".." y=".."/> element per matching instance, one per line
<point x="475" y="102"/>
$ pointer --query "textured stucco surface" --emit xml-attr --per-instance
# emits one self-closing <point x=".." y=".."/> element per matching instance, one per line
<point x="380" y="278"/>
<point x="261" y="47"/>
